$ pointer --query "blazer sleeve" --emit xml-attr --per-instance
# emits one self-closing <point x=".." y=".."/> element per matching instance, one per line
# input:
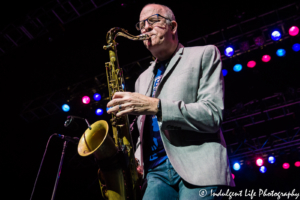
<point x="204" y="115"/>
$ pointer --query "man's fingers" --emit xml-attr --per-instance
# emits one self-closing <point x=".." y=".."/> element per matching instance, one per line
<point x="120" y="94"/>
<point x="115" y="102"/>
<point x="128" y="111"/>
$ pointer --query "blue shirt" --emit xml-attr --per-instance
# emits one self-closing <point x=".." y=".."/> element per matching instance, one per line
<point x="154" y="152"/>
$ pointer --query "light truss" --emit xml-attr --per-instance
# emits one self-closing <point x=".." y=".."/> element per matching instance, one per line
<point x="240" y="32"/>
<point x="37" y="22"/>
<point x="259" y="111"/>
<point x="281" y="142"/>
<point x="245" y="32"/>
<point x="50" y="104"/>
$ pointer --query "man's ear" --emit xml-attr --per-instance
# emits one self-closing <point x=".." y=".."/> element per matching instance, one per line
<point x="174" y="26"/>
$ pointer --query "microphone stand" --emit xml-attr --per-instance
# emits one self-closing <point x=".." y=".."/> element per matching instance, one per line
<point x="59" y="169"/>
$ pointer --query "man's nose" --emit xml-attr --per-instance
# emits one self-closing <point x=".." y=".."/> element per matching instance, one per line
<point x="148" y="26"/>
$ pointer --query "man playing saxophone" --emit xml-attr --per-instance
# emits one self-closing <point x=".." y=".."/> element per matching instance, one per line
<point x="179" y="101"/>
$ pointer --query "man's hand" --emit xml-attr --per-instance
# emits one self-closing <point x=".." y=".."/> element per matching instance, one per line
<point x="132" y="104"/>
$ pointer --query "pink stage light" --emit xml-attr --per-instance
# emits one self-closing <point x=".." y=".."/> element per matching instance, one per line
<point x="293" y="31"/>
<point x="251" y="64"/>
<point x="259" y="162"/>
<point x="286" y="165"/>
<point x="86" y="99"/>
<point x="266" y="58"/>
<point x="233" y="176"/>
<point x="297" y="164"/>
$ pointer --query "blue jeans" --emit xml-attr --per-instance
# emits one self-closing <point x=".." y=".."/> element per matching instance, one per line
<point x="163" y="183"/>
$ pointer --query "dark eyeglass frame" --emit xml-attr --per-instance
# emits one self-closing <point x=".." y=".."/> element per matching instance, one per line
<point x="137" y="25"/>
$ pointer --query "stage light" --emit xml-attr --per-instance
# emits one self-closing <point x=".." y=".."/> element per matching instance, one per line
<point x="237" y="67"/>
<point x="262" y="169"/>
<point x="229" y="51"/>
<point x="244" y="46"/>
<point x="65" y="107"/>
<point x="280" y="52"/>
<point x="123" y="86"/>
<point x="297" y="164"/>
<point x="224" y="72"/>
<point x="236" y="166"/>
<point x="108" y="108"/>
<point x="259" y="162"/>
<point x="97" y="97"/>
<point x="286" y="165"/>
<point x="271" y="159"/>
<point x="86" y="99"/>
<point x="275" y="35"/>
<point x="266" y="58"/>
<point x="251" y="64"/>
<point x="99" y="111"/>
<point x="259" y="41"/>
<point x="233" y="176"/>
<point x="296" y="47"/>
<point x="293" y="31"/>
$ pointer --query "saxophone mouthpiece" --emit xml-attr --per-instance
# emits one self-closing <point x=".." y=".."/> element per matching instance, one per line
<point x="144" y="37"/>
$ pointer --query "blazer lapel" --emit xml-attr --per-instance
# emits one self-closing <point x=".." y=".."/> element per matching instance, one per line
<point x="172" y="64"/>
<point x="149" y="79"/>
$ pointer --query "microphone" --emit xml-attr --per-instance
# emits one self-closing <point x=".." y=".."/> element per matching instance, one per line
<point x="68" y="121"/>
<point x="68" y="138"/>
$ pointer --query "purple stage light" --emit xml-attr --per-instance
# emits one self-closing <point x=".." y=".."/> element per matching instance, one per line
<point x="86" y="99"/>
<point x="293" y="31"/>
<point x="286" y="165"/>
<point x="251" y="64"/>
<point x="266" y="58"/>
<point x="259" y="162"/>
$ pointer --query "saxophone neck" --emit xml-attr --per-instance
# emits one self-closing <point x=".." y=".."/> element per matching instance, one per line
<point x="113" y="33"/>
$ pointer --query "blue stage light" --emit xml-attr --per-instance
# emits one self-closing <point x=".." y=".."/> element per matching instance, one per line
<point x="123" y="86"/>
<point x="275" y="35"/>
<point x="262" y="169"/>
<point x="99" y="111"/>
<point x="237" y="67"/>
<point x="65" y="107"/>
<point x="97" y="97"/>
<point x="229" y="51"/>
<point x="108" y="108"/>
<point x="271" y="159"/>
<point x="225" y="72"/>
<point x="296" y="47"/>
<point x="236" y="166"/>
<point x="280" y="52"/>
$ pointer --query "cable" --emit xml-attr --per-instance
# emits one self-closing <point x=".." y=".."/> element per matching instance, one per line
<point x="41" y="165"/>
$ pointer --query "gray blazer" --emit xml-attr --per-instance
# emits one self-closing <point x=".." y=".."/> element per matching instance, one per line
<point x="192" y="101"/>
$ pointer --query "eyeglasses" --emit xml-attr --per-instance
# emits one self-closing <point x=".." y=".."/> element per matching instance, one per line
<point x="156" y="18"/>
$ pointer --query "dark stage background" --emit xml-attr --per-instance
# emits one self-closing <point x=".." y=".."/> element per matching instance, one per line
<point x="70" y="53"/>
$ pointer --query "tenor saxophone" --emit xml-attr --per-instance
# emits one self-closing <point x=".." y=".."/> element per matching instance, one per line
<point x="117" y="174"/>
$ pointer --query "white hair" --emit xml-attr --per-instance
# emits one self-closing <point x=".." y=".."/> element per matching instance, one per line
<point x="169" y="13"/>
